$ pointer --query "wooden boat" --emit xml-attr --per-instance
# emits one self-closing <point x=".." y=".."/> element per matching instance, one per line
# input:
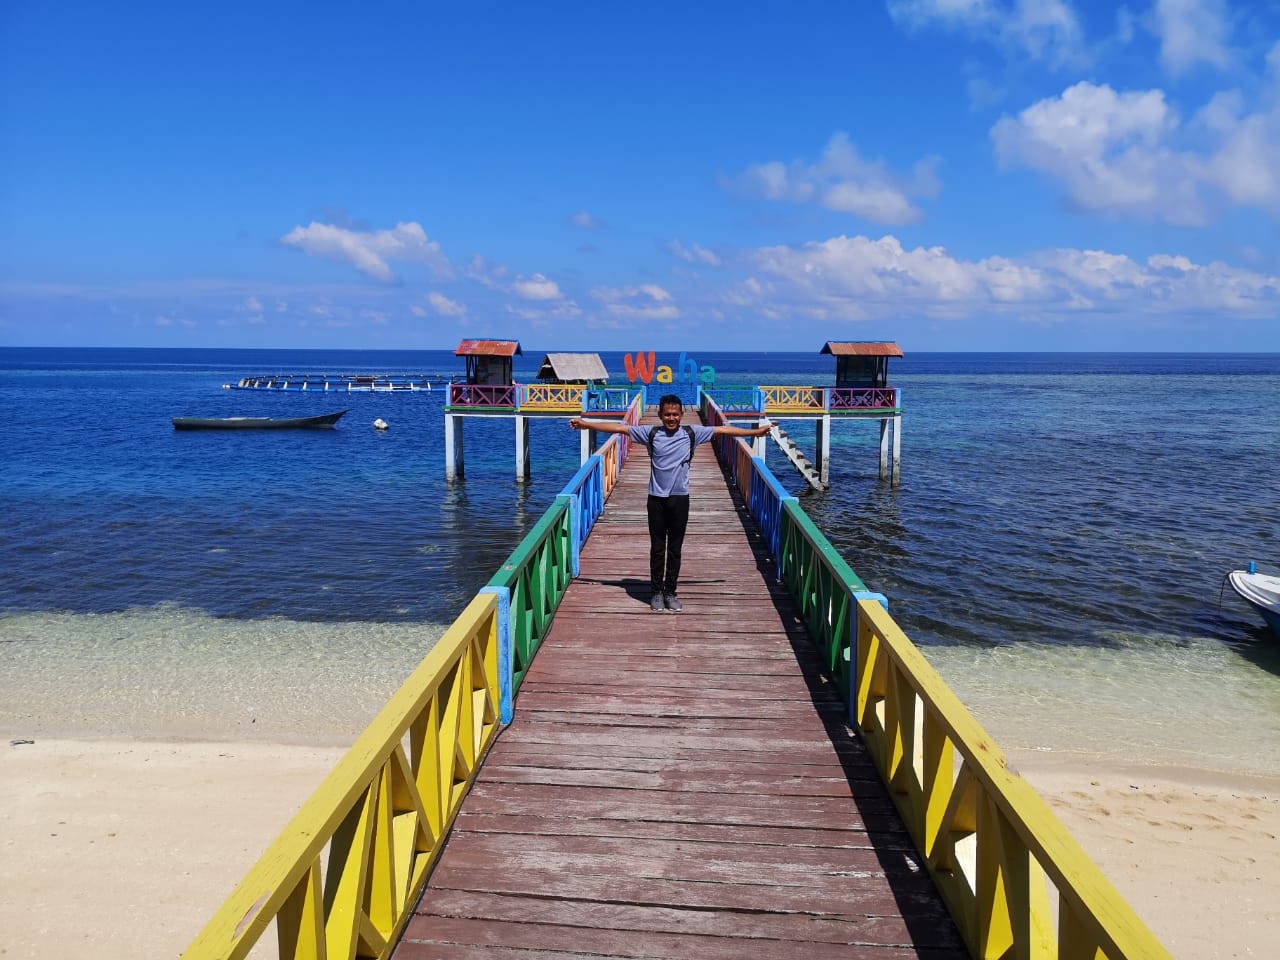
<point x="1260" y="591"/>
<point x="257" y="423"/>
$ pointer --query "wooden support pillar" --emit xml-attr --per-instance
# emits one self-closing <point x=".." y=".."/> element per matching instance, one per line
<point x="524" y="468"/>
<point x="897" y="450"/>
<point x="453" y="455"/>
<point x="884" y="448"/>
<point x="586" y="440"/>
<point x="822" y="453"/>
<point x="891" y="425"/>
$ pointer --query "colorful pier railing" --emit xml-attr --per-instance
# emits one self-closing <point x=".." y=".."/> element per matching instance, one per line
<point x="342" y="878"/>
<point x="996" y="852"/>
<point x="780" y="400"/>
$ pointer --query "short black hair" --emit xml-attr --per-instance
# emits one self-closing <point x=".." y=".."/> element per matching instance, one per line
<point x="670" y="400"/>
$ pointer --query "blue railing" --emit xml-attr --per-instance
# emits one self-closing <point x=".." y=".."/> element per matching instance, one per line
<point x="736" y="399"/>
<point x="600" y="399"/>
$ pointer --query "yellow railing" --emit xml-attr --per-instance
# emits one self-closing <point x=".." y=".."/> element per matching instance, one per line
<point x="794" y="399"/>
<point x="990" y="843"/>
<point x="562" y="397"/>
<point x="343" y="877"/>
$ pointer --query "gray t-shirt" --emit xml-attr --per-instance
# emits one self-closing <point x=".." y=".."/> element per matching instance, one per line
<point x="670" y="474"/>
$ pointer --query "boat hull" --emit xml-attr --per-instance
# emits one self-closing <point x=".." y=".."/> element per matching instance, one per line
<point x="1260" y="591"/>
<point x="324" y="421"/>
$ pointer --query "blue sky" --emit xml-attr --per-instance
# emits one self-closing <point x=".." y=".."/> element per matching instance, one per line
<point x="950" y="174"/>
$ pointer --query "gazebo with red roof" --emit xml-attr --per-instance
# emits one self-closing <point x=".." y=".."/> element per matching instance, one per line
<point x="489" y="361"/>
<point x="862" y="363"/>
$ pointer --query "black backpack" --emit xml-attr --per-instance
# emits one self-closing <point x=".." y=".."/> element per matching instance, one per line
<point x="693" y="444"/>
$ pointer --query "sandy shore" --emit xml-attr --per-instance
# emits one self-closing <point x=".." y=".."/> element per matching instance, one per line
<point x="102" y="842"/>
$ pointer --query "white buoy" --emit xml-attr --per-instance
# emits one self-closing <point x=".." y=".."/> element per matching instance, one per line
<point x="380" y="424"/>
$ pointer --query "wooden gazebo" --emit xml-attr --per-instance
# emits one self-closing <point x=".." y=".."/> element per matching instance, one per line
<point x="862" y="363"/>
<point x="572" y="368"/>
<point x="489" y="361"/>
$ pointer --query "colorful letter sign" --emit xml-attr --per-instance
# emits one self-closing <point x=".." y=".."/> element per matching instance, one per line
<point x="643" y="367"/>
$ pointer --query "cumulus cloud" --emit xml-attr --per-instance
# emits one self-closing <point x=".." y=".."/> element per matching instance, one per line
<point x="842" y="181"/>
<point x="1042" y="30"/>
<point x="585" y="221"/>
<point x="858" y="276"/>
<point x="693" y="253"/>
<point x="544" y="315"/>
<point x="444" y="306"/>
<point x="370" y="252"/>
<point x="1191" y="32"/>
<point x="1121" y="153"/>
<point x="647" y="301"/>
<point x="536" y="287"/>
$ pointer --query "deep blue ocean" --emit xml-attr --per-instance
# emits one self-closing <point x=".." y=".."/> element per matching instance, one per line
<point x="1059" y="509"/>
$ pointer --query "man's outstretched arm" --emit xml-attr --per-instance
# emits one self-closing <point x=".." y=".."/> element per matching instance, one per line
<point x="600" y="426"/>
<point x="727" y="430"/>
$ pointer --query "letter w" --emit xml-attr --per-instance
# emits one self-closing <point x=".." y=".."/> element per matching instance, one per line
<point x="636" y="366"/>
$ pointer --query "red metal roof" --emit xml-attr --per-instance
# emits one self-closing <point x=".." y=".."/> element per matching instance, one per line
<point x="862" y="348"/>
<point x="488" y="348"/>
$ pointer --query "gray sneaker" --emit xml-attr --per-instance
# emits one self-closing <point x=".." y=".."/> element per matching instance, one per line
<point x="673" y="604"/>
<point x="655" y="603"/>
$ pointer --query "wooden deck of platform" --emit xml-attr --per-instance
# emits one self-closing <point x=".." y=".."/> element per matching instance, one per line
<point x="678" y="785"/>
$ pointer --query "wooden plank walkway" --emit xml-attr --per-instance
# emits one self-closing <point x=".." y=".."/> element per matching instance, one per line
<point x="678" y="785"/>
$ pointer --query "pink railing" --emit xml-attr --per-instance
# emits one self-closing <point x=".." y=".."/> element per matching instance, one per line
<point x="483" y="395"/>
<point x="862" y="398"/>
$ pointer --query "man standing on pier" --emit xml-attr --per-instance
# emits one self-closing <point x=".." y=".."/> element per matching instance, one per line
<point x="670" y="453"/>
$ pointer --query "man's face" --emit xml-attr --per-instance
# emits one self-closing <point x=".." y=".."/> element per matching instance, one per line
<point x="670" y="415"/>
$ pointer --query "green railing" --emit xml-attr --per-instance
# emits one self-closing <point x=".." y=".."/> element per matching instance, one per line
<point x="535" y="577"/>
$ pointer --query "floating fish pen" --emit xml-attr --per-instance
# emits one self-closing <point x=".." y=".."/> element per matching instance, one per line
<point x="345" y="382"/>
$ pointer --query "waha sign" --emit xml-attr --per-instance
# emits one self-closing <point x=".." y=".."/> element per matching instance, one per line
<point x="644" y="367"/>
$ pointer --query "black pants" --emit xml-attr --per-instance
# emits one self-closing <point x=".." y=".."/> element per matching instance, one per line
<point x="668" y="518"/>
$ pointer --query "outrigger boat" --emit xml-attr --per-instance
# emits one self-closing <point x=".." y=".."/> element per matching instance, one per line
<point x="257" y="423"/>
<point x="1260" y="591"/>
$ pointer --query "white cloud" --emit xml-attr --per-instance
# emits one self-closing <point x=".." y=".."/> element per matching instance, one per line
<point x="564" y="310"/>
<point x="1124" y="153"/>
<point x="585" y="221"/>
<point x="842" y="181"/>
<point x="489" y="275"/>
<point x="858" y="276"/>
<point x="536" y="287"/>
<point x="1045" y="30"/>
<point x="444" y="306"/>
<point x="1191" y="32"/>
<point x="647" y="301"/>
<point x="693" y="254"/>
<point x="370" y="252"/>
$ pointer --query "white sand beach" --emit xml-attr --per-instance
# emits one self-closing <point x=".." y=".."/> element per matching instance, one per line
<point x="120" y="848"/>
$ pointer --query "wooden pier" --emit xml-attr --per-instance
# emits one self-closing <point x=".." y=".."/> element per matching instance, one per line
<point x="679" y="785"/>
<point x="775" y="772"/>
<point x="345" y="382"/>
